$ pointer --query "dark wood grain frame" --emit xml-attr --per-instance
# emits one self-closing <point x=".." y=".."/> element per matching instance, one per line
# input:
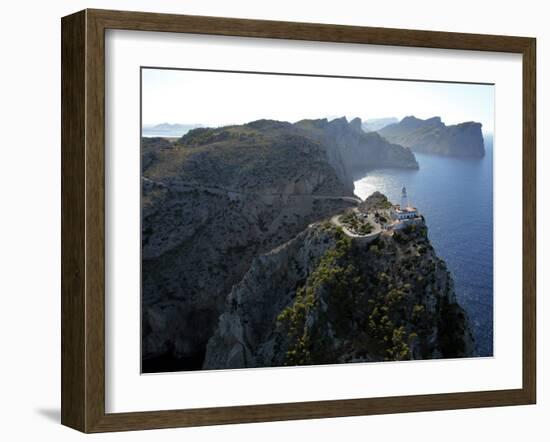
<point x="83" y="220"/>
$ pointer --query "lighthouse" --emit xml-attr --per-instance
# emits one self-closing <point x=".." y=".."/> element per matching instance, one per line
<point x="404" y="199"/>
<point x="404" y="211"/>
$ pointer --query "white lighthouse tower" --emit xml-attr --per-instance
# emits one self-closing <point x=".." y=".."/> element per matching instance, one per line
<point x="404" y="199"/>
<point x="404" y="211"/>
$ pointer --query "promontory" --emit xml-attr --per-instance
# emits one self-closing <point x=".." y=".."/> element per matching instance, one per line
<point x="434" y="137"/>
<point x="237" y="233"/>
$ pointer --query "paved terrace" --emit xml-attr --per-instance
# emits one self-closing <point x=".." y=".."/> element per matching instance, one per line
<point x="335" y="220"/>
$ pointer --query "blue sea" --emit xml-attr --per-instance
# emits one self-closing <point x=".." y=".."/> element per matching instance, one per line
<point x="456" y="198"/>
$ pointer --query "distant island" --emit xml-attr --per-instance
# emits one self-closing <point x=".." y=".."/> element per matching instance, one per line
<point x="434" y="137"/>
<point x="168" y="129"/>
<point x="257" y="252"/>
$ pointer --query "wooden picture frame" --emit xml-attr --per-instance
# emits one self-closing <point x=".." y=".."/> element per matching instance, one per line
<point x="83" y="220"/>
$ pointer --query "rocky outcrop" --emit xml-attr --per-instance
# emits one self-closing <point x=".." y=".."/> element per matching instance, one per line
<point x="374" y="202"/>
<point x="434" y="137"/>
<point x="325" y="298"/>
<point x="151" y="148"/>
<point x="246" y="334"/>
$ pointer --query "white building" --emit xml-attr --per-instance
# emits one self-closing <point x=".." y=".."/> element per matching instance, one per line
<point x="404" y="211"/>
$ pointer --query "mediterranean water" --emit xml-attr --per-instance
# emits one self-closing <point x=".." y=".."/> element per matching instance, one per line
<point x="456" y="197"/>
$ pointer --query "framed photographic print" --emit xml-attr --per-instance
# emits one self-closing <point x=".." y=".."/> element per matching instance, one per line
<point x="270" y="220"/>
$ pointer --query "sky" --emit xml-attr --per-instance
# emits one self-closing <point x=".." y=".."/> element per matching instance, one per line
<point x="221" y="98"/>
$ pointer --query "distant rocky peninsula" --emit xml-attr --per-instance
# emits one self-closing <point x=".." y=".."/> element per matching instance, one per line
<point x="236" y="235"/>
<point x="434" y="137"/>
<point x="375" y="124"/>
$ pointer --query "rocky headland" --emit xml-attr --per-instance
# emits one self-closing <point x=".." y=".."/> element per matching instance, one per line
<point x="434" y="137"/>
<point x="218" y="202"/>
<point x="326" y="298"/>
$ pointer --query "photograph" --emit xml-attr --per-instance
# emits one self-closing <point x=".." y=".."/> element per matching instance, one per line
<point x="305" y="219"/>
<point x="250" y="221"/>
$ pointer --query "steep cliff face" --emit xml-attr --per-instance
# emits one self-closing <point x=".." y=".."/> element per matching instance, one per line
<point x="434" y="137"/>
<point x="356" y="150"/>
<point x="217" y="198"/>
<point x="196" y="245"/>
<point x="325" y="298"/>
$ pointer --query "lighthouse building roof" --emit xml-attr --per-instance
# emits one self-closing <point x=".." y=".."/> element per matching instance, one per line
<point x="405" y="209"/>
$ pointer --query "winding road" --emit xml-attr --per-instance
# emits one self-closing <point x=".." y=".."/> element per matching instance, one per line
<point x="182" y="187"/>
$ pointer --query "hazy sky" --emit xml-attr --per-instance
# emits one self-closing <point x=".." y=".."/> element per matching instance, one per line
<point x="217" y="98"/>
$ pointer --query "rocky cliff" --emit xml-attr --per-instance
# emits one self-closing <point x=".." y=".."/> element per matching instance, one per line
<point x="325" y="298"/>
<point x="350" y="149"/>
<point x="217" y="198"/>
<point x="434" y="137"/>
<point x="375" y="124"/>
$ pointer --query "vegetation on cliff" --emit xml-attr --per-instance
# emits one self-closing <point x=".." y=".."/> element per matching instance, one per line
<point x="379" y="314"/>
<point x="389" y="299"/>
<point x="355" y="224"/>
